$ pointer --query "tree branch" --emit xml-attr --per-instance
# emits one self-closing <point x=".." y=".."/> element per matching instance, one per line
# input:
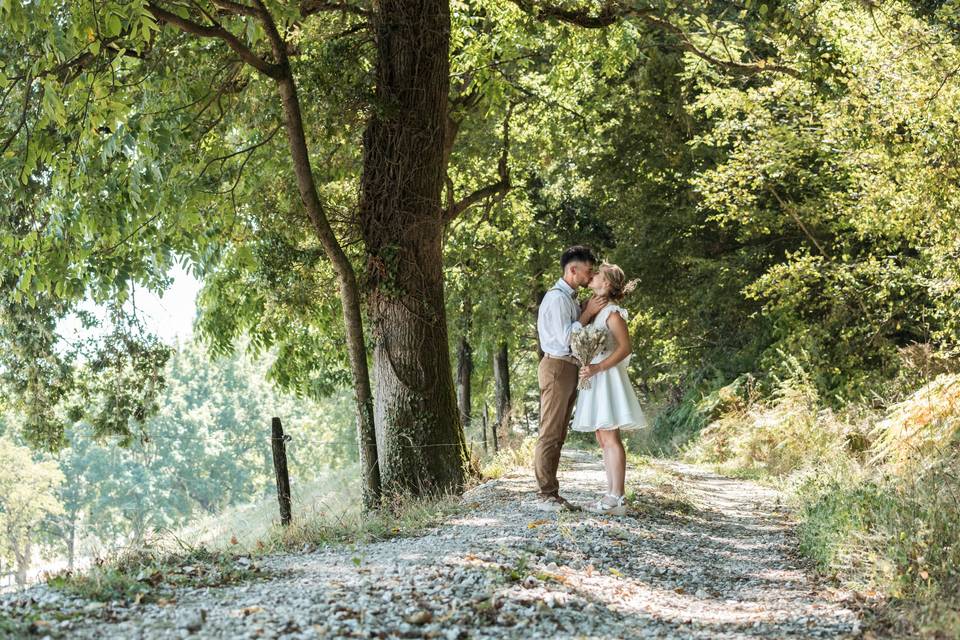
<point x="730" y="64"/>
<point x="277" y="43"/>
<point x="580" y="118"/>
<point x="614" y="12"/>
<point x="253" y="147"/>
<point x="496" y="189"/>
<point x="23" y="115"/>
<point x="216" y="31"/>
<point x="611" y="13"/>
<point x="237" y="8"/>
<point x="789" y="208"/>
<point x="310" y="7"/>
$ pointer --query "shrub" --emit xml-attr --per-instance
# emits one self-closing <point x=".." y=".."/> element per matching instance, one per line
<point x="898" y="535"/>
<point x="778" y="435"/>
<point x="923" y="428"/>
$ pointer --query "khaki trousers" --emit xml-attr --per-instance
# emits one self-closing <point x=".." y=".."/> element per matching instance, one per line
<point x="558" y="394"/>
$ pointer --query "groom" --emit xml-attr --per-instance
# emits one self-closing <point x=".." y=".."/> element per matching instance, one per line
<point x="559" y="316"/>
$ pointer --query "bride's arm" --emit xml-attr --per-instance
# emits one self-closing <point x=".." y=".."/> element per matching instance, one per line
<point x="618" y="327"/>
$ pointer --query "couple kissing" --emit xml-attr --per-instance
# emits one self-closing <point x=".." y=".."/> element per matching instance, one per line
<point x="608" y="404"/>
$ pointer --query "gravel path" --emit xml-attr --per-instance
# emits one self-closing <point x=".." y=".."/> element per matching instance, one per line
<point x="708" y="558"/>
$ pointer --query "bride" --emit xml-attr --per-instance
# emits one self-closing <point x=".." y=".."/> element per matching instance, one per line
<point x="610" y="404"/>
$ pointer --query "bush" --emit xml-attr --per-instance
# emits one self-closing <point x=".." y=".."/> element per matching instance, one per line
<point x="893" y="534"/>
<point x="921" y="429"/>
<point x="778" y="435"/>
<point x="679" y="423"/>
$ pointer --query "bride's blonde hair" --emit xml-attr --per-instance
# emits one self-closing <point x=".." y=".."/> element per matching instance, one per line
<point x="617" y="279"/>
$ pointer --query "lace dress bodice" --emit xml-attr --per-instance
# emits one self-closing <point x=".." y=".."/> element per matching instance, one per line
<point x="600" y="321"/>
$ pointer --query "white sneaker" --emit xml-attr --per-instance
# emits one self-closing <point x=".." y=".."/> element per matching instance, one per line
<point x="552" y="504"/>
<point x="610" y="505"/>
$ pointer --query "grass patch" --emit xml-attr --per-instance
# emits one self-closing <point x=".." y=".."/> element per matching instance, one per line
<point x="662" y="493"/>
<point x="405" y="517"/>
<point x="517" y="571"/>
<point x="150" y="576"/>
<point x="635" y="460"/>
<point x="896" y="536"/>
<point x="326" y="512"/>
<point x="774" y="436"/>
<point x="758" y="475"/>
<point x="331" y="496"/>
<point x="510" y="459"/>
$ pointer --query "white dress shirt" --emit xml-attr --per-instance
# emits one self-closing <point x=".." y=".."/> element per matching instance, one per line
<point x="558" y="317"/>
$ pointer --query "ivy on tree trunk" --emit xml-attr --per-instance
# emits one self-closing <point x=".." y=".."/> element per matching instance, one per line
<point x="419" y="436"/>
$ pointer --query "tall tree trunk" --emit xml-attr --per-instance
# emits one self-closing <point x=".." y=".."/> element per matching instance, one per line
<point x="465" y="364"/>
<point x="420" y="439"/>
<point x="72" y="542"/>
<point x="350" y="297"/>
<point x="22" y="550"/>
<point x="486" y="441"/>
<point x="349" y="294"/>
<point x="138" y="522"/>
<point x="501" y="379"/>
<point x="464" y="372"/>
<point x="538" y="293"/>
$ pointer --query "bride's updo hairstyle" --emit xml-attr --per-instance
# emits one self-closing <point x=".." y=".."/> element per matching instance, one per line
<point x="617" y="279"/>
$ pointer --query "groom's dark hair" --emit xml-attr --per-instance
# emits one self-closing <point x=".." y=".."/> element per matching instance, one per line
<point x="577" y="253"/>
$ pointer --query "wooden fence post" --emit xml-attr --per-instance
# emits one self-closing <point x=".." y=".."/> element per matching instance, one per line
<point x="280" y="467"/>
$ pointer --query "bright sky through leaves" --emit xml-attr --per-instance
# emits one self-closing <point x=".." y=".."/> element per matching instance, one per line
<point x="170" y="316"/>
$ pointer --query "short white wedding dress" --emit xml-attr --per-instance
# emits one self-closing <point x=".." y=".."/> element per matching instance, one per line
<point x="610" y="402"/>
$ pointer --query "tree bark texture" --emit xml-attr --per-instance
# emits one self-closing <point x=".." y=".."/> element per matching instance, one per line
<point x="420" y="439"/>
<point x="464" y="372"/>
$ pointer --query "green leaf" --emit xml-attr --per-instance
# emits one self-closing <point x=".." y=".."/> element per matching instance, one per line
<point x="113" y="25"/>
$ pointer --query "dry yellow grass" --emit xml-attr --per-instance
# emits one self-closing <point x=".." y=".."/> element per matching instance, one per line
<point x="922" y="428"/>
<point x="778" y="435"/>
<point x="510" y="458"/>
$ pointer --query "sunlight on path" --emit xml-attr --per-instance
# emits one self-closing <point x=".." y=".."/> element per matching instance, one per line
<point x="717" y="563"/>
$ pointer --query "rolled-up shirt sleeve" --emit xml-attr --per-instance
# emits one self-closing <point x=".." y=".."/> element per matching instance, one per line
<point x="554" y="325"/>
<point x="574" y="326"/>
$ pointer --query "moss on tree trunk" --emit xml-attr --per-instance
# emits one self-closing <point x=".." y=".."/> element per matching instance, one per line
<point x="420" y="440"/>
